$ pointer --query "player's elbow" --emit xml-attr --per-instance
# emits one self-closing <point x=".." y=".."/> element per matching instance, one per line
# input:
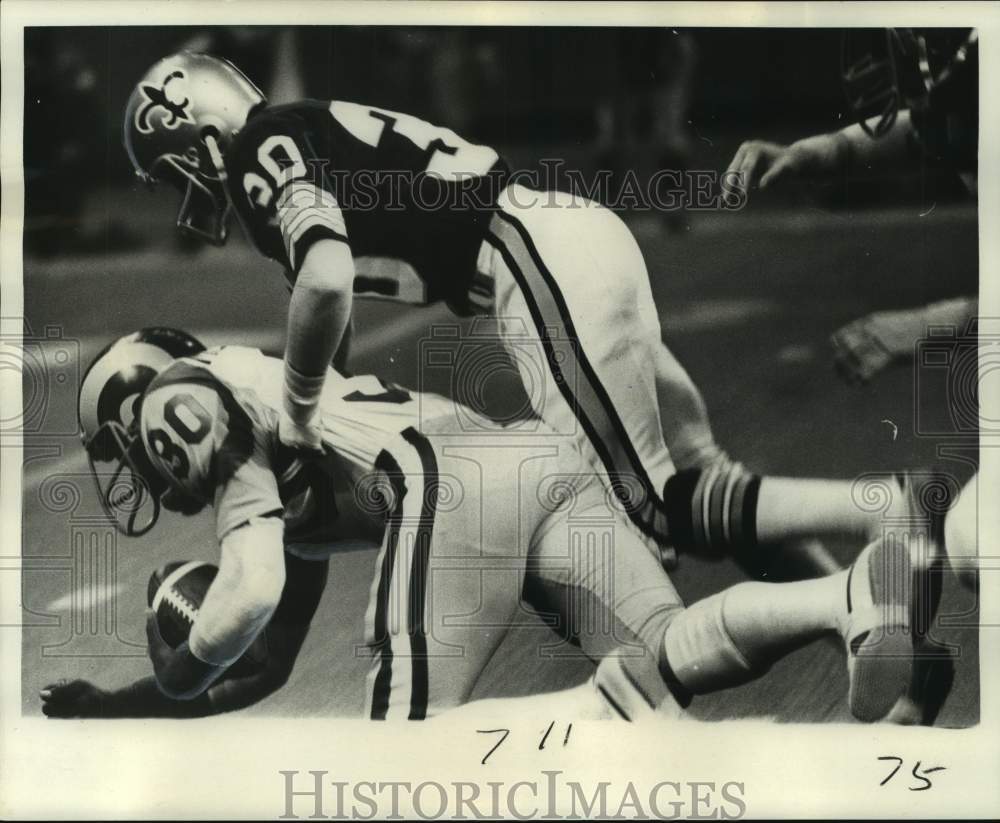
<point x="260" y="592"/>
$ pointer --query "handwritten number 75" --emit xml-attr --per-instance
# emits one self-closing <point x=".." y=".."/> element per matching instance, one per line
<point x="918" y="773"/>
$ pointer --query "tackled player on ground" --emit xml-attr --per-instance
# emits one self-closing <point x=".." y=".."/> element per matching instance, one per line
<point x="470" y="526"/>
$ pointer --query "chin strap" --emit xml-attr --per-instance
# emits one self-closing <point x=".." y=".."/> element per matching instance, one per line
<point x="219" y="164"/>
<point x="215" y="154"/>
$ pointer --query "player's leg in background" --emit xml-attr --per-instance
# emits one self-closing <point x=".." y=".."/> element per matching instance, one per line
<point x="797" y="507"/>
<point x="786" y="508"/>
<point x="765" y="522"/>
<point x="611" y="584"/>
<point x="961" y="534"/>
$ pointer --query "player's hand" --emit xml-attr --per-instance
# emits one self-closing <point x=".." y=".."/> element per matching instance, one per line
<point x="762" y="164"/>
<point x="300" y="435"/>
<point x="867" y="346"/>
<point x="72" y="698"/>
<point x="159" y="651"/>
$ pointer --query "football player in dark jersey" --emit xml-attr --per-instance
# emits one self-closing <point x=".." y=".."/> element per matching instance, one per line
<point x="469" y="527"/>
<point x="354" y="199"/>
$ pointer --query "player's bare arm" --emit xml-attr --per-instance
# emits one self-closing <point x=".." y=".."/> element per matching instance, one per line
<point x="239" y="687"/>
<point x="865" y="347"/>
<point x="318" y="317"/>
<point x="238" y="605"/>
<point x="764" y="164"/>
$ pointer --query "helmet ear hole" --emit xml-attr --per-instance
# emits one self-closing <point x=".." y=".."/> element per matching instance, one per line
<point x="212" y="127"/>
<point x="154" y="482"/>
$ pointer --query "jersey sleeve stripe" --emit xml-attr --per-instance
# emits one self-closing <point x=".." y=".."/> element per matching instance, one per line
<point x="304" y="191"/>
<point x="307" y="211"/>
<point x="303" y="198"/>
<point x="305" y="220"/>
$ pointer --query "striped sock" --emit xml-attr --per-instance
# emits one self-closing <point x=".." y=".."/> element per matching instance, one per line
<point x="713" y="510"/>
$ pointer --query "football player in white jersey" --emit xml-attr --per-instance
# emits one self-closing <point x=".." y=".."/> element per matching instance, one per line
<point x="470" y="527"/>
<point x="353" y="199"/>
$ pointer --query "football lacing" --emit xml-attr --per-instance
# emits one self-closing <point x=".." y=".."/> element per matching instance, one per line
<point x="181" y="604"/>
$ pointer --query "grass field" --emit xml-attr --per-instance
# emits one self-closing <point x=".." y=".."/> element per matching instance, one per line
<point x="747" y="302"/>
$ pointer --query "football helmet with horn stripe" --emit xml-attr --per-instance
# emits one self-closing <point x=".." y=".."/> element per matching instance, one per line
<point x="108" y="405"/>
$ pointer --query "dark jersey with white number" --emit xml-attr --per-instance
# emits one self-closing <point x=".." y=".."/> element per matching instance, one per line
<point x="210" y="426"/>
<point x="410" y="199"/>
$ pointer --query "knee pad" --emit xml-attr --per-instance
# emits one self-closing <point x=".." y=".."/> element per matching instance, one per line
<point x="699" y="652"/>
<point x="713" y="509"/>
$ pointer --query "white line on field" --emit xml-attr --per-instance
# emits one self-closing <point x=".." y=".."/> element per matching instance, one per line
<point x="90" y="595"/>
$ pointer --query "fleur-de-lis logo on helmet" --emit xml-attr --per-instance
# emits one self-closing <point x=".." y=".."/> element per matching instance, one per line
<point x="174" y="111"/>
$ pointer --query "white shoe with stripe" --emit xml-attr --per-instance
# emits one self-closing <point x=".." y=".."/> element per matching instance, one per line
<point x="877" y="629"/>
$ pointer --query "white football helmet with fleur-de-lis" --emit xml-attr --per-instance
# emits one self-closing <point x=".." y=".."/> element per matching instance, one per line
<point x="179" y="120"/>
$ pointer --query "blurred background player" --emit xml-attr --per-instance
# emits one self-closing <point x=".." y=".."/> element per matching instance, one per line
<point x="924" y="86"/>
<point x="191" y="428"/>
<point x="915" y="96"/>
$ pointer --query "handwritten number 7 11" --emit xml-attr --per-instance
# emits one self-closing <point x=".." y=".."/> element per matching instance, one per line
<point x="504" y="732"/>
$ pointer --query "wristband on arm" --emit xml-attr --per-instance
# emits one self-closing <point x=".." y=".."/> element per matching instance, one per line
<point x="302" y="393"/>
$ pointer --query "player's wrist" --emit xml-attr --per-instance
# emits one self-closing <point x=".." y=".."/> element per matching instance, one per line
<point x="823" y="154"/>
<point x="185" y="676"/>
<point x="301" y="394"/>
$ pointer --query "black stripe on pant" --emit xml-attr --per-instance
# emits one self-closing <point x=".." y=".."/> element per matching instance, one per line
<point x="418" y="575"/>
<point x="382" y="645"/>
<point x="417" y="584"/>
<point x="591" y="404"/>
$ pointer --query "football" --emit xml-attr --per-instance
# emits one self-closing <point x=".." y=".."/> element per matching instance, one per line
<point x="176" y="592"/>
